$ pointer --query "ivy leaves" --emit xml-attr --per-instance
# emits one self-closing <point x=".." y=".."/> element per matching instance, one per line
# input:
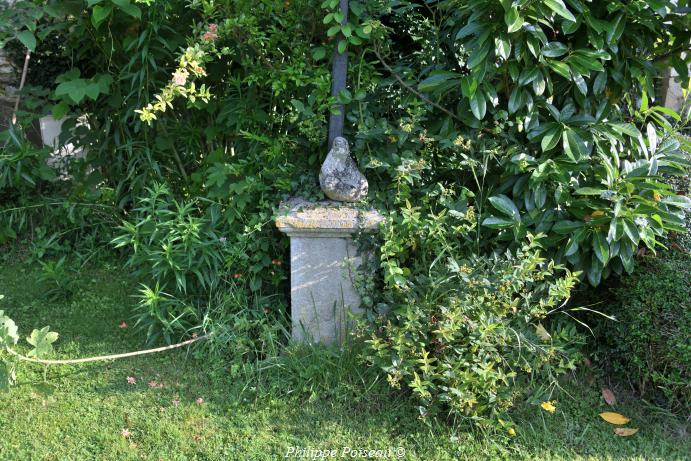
<point x="8" y="330"/>
<point x="103" y="9"/>
<point x="42" y="340"/>
<point x="350" y="29"/>
<point x="73" y="89"/>
<point x="27" y="38"/>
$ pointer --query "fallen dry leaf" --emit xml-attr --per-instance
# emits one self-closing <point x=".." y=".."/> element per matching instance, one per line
<point x="614" y="418"/>
<point x="625" y="431"/>
<point x="609" y="396"/>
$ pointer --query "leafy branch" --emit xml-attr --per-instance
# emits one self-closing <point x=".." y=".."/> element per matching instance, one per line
<point x="42" y="341"/>
<point x="102" y="358"/>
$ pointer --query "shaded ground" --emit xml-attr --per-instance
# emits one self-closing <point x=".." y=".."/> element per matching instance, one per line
<point x="81" y="413"/>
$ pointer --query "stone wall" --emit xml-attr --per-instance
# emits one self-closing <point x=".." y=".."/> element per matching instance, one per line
<point x="9" y="77"/>
<point x="8" y="81"/>
<point x="670" y="91"/>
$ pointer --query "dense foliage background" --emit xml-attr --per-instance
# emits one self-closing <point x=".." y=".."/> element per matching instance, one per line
<point x="481" y="125"/>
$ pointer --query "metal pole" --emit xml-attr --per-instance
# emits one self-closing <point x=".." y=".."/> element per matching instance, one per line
<point x="338" y="78"/>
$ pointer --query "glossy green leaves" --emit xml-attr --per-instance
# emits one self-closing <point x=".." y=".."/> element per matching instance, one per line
<point x="478" y="105"/>
<point x="509" y="214"/>
<point x="559" y="8"/>
<point x="554" y="50"/>
<point x="574" y="146"/>
<point x="28" y="39"/>
<point x="513" y="19"/>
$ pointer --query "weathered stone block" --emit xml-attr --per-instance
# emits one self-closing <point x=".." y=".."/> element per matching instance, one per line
<point x="323" y="260"/>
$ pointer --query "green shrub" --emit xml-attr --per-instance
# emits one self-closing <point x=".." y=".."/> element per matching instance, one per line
<point x="478" y="122"/>
<point x="23" y="167"/>
<point x="58" y="279"/>
<point x="469" y="336"/>
<point x="55" y="216"/>
<point x="184" y="252"/>
<point x="173" y="242"/>
<point x="649" y="345"/>
<point x="544" y="110"/>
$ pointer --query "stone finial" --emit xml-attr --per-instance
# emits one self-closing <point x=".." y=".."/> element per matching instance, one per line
<point x="339" y="177"/>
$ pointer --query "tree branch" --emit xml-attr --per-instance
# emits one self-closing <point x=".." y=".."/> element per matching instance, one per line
<point x="411" y="89"/>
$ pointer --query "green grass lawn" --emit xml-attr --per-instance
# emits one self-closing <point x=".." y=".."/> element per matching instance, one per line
<point x="80" y="414"/>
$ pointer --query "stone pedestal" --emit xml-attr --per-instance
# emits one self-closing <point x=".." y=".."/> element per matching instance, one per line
<point x="323" y="260"/>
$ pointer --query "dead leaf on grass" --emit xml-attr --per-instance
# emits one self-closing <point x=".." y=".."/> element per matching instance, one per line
<point x="625" y="431"/>
<point x="609" y="396"/>
<point x="614" y="418"/>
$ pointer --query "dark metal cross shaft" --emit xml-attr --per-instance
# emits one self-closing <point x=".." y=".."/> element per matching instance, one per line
<point x="338" y="80"/>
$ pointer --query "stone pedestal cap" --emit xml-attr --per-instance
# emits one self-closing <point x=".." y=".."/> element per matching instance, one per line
<point x="301" y="218"/>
